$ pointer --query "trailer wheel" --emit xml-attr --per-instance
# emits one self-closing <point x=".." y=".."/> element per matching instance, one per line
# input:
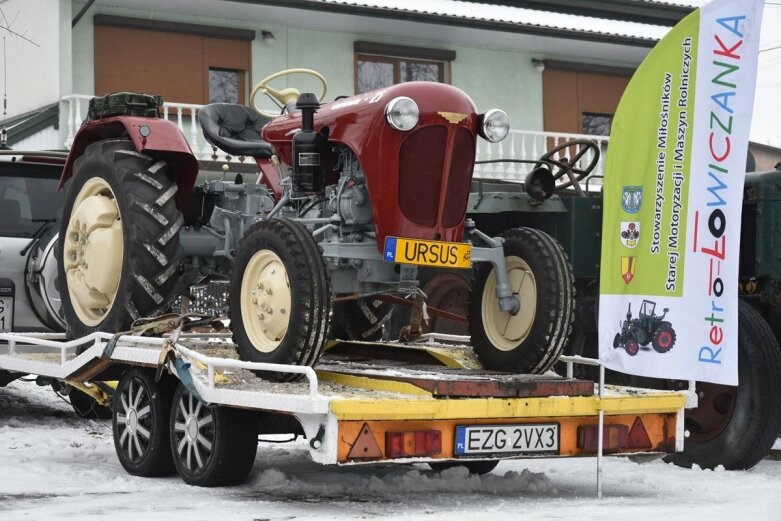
<point x="736" y="426"/>
<point x="119" y="246"/>
<point x="362" y="319"/>
<point x="664" y="338"/>
<point x="280" y="296"/>
<point x="531" y="340"/>
<point x="474" y="467"/>
<point x="212" y="446"/>
<point x="140" y="424"/>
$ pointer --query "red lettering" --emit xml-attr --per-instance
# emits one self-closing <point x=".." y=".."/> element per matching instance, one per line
<point x="715" y="251"/>
<point x="713" y="152"/>
<point x="716" y="335"/>
<point x="727" y="52"/>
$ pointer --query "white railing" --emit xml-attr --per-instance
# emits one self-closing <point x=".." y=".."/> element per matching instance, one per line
<point x="520" y="144"/>
<point x="529" y="145"/>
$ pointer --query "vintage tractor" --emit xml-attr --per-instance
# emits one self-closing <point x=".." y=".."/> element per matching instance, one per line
<point x="353" y="196"/>
<point x="646" y="328"/>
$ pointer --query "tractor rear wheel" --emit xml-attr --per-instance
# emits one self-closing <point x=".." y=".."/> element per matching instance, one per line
<point x="119" y="244"/>
<point x="280" y="296"/>
<point x="664" y="338"/>
<point x="736" y="426"/>
<point x="362" y="319"/>
<point x="531" y="340"/>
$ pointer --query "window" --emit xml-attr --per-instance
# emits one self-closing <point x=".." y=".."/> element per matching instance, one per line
<point x="381" y="65"/>
<point x="225" y="85"/>
<point x="28" y="197"/>
<point x="597" y="124"/>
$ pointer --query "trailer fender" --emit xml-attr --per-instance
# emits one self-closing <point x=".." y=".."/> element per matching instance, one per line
<point x="157" y="137"/>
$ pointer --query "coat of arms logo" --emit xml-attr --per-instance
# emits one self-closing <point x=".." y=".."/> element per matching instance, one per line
<point x="632" y="198"/>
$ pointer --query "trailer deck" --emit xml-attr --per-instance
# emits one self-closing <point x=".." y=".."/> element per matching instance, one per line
<point x="382" y="402"/>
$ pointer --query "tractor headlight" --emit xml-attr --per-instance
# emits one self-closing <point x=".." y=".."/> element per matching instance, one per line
<point x="402" y="113"/>
<point x="494" y="125"/>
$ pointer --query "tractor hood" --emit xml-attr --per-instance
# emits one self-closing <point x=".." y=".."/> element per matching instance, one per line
<point x="418" y="179"/>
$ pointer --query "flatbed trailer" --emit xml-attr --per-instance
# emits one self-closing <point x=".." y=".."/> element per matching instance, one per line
<point x="368" y="403"/>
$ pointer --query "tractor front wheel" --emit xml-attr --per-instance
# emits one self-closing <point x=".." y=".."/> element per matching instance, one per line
<point x="531" y="340"/>
<point x="632" y="347"/>
<point x="119" y="245"/>
<point x="280" y="296"/>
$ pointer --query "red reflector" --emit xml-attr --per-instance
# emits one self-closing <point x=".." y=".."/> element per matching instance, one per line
<point x="638" y="436"/>
<point x="365" y="446"/>
<point x="614" y="437"/>
<point x="413" y="443"/>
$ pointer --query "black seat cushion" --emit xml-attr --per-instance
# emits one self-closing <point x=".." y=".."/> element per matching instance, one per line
<point x="234" y="129"/>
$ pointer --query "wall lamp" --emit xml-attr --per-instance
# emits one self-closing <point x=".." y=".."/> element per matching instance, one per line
<point x="268" y="37"/>
<point x="539" y="65"/>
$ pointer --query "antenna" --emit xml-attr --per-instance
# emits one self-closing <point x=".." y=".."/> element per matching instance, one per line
<point x="3" y="130"/>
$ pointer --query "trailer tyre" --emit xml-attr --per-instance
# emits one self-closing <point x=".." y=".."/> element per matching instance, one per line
<point x="280" y="296"/>
<point x="212" y="446"/>
<point x="531" y="340"/>
<point x="474" y="467"/>
<point x="736" y="427"/>
<point x="140" y="423"/>
<point x="119" y="246"/>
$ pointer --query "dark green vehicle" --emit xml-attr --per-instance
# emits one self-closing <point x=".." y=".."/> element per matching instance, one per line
<point x="647" y="328"/>
<point x="732" y="426"/>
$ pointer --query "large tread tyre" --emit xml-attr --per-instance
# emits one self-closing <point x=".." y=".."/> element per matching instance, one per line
<point x="749" y="426"/>
<point x="664" y="338"/>
<point x="279" y="267"/>
<point x="140" y="423"/>
<point x="540" y="271"/>
<point x="211" y="446"/>
<point x="474" y="467"/>
<point x="364" y="319"/>
<point x="143" y="277"/>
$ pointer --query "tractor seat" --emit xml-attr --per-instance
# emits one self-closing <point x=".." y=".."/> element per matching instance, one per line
<point x="234" y="129"/>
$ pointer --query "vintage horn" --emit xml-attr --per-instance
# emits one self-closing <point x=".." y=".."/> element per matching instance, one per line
<point x="539" y="184"/>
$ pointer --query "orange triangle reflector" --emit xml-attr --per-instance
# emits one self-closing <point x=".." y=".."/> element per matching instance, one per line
<point x="365" y="446"/>
<point x="638" y="437"/>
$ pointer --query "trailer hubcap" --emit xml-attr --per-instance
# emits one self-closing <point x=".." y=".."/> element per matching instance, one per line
<point x="265" y="300"/>
<point x="93" y="251"/>
<point x="193" y="432"/>
<point x="134" y="420"/>
<point x="506" y="330"/>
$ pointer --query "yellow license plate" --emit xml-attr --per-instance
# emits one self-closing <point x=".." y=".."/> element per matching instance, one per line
<point x="428" y="253"/>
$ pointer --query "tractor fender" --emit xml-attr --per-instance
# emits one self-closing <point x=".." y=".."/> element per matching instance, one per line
<point x="159" y="138"/>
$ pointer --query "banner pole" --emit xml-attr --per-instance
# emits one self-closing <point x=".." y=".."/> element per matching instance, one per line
<point x="601" y="430"/>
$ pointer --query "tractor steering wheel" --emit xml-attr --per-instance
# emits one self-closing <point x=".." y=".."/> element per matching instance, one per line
<point x="285" y="96"/>
<point x="570" y="167"/>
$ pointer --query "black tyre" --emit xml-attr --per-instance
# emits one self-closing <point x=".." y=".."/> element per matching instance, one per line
<point x="140" y="423"/>
<point x="474" y="467"/>
<point x="280" y="296"/>
<point x="212" y="446"/>
<point x="531" y="340"/>
<point x="362" y="319"/>
<point x="664" y="338"/>
<point x="119" y="246"/>
<point x="737" y="426"/>
<point x="86" y="407"/>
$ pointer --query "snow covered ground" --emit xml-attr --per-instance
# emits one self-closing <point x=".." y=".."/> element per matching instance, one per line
<point x="56" y="466"/>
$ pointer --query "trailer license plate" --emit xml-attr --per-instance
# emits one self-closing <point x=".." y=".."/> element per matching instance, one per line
<point x="6" y="313"/>
<point x="539" y="438"/>
<point x="428" y="253"/>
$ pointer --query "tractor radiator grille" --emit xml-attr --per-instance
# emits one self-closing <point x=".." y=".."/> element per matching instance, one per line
<point x="460" y="178"/>
<point x="420" y="174"/>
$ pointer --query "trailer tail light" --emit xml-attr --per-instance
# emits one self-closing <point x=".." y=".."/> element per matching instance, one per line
<point x="638" y="436"/>
<point x="399" y="444"/>
<point x="614" y="437"/>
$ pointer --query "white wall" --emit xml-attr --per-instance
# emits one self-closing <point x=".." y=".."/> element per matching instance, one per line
<point x="33" y="70"/>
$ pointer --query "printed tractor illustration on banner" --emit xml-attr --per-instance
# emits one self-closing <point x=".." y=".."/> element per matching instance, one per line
<point x="646" y="328"/>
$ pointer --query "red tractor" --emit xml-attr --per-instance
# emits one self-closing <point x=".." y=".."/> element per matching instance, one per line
<point x="354" y="195"/>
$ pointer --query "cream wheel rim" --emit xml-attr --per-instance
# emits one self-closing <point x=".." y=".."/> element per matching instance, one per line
<point x="505" y="330"/>
<point x="265" y="300"/>
<point x="93" y="250"/>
